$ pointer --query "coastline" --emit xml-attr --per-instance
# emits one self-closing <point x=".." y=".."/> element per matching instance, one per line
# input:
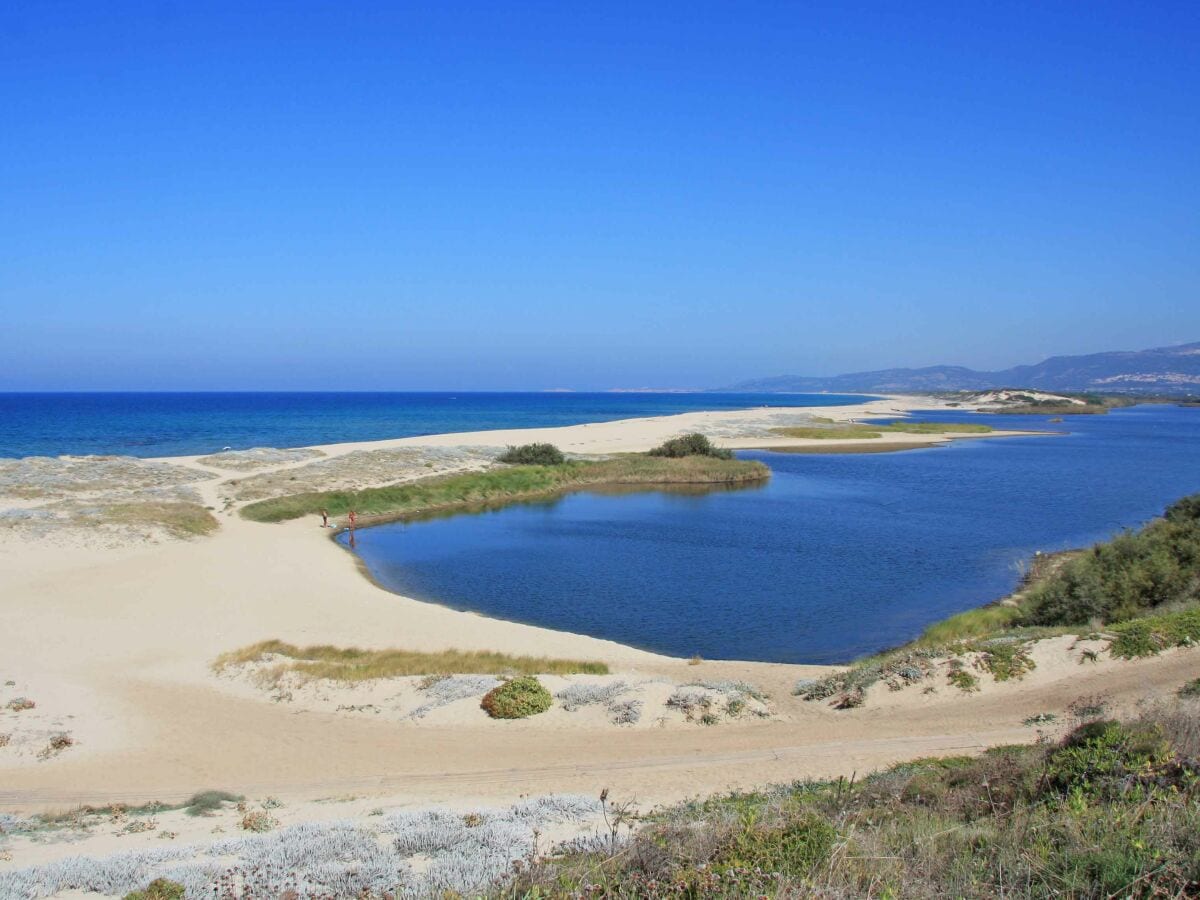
<point x="116" y="645"/>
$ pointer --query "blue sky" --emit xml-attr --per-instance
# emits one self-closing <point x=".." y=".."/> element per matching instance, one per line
<point x="538" y="195"/>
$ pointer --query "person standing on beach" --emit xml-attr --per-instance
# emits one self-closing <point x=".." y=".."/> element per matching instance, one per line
<point x="353" y="517"/>
<point x="324" y="518"/>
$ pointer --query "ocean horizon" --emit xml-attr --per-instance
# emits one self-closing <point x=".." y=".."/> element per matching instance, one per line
<point x="168" y="423"/>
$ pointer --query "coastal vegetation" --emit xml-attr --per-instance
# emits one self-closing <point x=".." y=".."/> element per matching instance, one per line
<point x="1111" y="810"/>
<point x="181" y="519"/>
<point x="693" y="444"/>
<point x="834" y="431"/>
<point x="517" y="698"/>
<point x="508" y="483"/>
<point x="533" y="455"/>
<point x="159" y="889"/>
<point x="353" y="664"/>
<point x="1015" y="401"/>
<point x="1139" y="592"/>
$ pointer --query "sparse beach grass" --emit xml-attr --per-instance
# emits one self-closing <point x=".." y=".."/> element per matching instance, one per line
<point x="873" y="431"/>
<point x="180" y="519"/>
<point x="508" y="483"/>
<point x="354" y="664"/>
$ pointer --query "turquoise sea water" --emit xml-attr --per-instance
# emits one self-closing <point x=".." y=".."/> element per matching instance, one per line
<point x="837" y="556"/>
<point x="183" y="424"/>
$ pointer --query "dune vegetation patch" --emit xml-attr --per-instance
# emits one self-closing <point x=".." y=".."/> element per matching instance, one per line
<point x="693" y="444"/>
<point x="351" y="664"/>
<point x="178" y="518"/>
<point x="508" y="483"/>
<point x="871" y="431"/>
<point x="532" y="455"/>
<point x="518" y="698"/>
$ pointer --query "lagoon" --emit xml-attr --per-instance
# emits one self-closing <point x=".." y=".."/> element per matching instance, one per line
<point x="836" y="556"/>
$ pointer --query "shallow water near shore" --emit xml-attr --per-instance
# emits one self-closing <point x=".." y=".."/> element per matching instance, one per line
<point x="149" y="425"/>
<point x="837" y="556"/>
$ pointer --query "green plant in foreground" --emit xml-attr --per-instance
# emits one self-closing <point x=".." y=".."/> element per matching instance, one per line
<point x="1150" y="635"/>
<point x="258" y="821"/>
<point x="517" y="698"/>
<point x="1005" y="659"/>
<point x="1108" y="812"/>
<point x="159" y="889"/>
<point x="533" y="455"/>
<point x="963" y="680"/>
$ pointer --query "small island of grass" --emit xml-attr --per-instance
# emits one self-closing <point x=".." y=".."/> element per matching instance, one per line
<point x="832" y="431"/>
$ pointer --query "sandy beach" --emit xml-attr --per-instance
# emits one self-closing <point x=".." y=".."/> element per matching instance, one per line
<point x="111" y="630"/>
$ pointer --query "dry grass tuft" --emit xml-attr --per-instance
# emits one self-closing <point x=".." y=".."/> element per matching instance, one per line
<point x="179" y="518"/>
<point x="353" y="664"/>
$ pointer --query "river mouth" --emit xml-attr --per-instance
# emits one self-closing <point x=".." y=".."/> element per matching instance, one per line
<point x="834" y="557"/>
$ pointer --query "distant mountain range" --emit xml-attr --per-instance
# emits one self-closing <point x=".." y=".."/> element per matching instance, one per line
<point x="1164" y="370"/>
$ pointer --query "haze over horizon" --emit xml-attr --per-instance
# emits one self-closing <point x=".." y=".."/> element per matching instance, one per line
<point x="302" y="197"/>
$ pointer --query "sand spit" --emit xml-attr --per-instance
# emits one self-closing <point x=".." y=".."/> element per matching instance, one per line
<point x="111" y="631"/>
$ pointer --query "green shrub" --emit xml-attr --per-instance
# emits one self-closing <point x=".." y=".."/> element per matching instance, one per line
<point x="533" y="455"/>
<point x="1191" y="689"/>
<point x="1006" y="659"/>
<point x="796" y="847"/>
<point x="1185" y="510"/>
<point x="963" y="680"/>
<point x="1098" y="757"/>
<point x="208" y="802"/>
<point x="1150" y="635"/>
<point x="159" y="889"/>
<point x="690" y="445"/>
<point x="517" y="698"/>
<point x="1125" y="577"/>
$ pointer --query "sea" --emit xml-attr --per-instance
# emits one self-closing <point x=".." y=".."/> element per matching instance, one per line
<point x="835" y="557"/>
<point x="165" y="424"/>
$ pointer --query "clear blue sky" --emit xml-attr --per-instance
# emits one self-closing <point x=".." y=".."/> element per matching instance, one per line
<point x="296" y="195"/>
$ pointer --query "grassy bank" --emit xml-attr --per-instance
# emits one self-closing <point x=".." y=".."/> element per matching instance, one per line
<point x="1110" y="811"/>
<point x="353" y="664"/>
<point x="834" y="431"/>
<point x="508" y="483"/>
<point x="1139" y="591"/>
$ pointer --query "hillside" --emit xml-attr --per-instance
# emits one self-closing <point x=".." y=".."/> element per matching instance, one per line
<point x="1163" y="370"/>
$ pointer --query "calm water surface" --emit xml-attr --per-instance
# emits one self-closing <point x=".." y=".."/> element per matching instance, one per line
<point x="836" y="556"/>
<point x="181" y="424"/>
